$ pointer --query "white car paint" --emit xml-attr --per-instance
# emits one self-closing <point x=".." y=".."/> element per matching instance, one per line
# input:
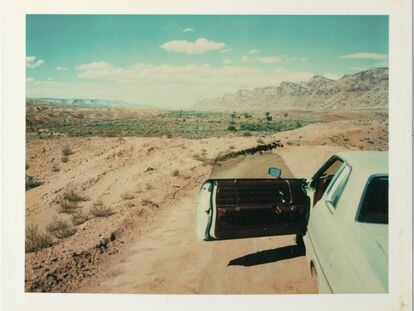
<point x="349" y="256"/>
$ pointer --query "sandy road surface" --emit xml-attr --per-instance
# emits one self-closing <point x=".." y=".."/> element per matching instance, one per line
<point x="169" y="259"/>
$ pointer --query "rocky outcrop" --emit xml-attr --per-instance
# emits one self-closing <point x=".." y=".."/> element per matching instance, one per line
<point x="363" y="90"/>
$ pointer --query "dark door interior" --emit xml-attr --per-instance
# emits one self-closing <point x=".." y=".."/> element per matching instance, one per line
<point x="259" y="207"/>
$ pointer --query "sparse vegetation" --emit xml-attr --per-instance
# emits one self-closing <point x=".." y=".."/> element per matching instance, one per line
<point x="32" y="182"/>
<point x="60" y="229"/>
<point x="55" y="168"/>
<point x="64" y="159"/>
<point x="35" y="239"/>
<point x="101" y="210"/>
<point x="175" y="173"/>
<point x="67" y="207"/>
<point x="67" y="151"/>
<point x="197" y="125"/>
<point x="149" y="203"/>
<point x="73" y="196"/>
<point x="79" y="218"/>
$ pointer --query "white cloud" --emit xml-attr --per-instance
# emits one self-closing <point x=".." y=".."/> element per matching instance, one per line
<point x="59" y="68"/>
<point x="226" y="61"/>
<point x="254" y="51"/>
<point x="246" y="59"/>
<point x="188" y="29"/>
<point x="374" y="56"/>
<point x="32" y="63"/>
<point x="226" y="50"/>
<point x="332" y="76"/>
<point x="99" y="69"/>
<point x="201" y="45"/>
<point x="266" y="60"/>
<point x="269" y="59"/>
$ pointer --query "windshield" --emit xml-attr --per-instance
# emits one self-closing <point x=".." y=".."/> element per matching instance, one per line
<point x="374" y="208"/>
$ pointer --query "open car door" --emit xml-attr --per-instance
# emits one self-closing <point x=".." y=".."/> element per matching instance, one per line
<point x="243" y="208"/>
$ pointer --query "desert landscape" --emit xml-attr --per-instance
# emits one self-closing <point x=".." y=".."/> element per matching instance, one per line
<point x="111" y="191"/>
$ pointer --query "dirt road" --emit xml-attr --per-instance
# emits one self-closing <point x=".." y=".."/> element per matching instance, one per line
<point x="169" y="259"/>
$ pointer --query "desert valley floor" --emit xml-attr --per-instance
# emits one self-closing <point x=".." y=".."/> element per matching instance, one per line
<point x="145" y="242"/>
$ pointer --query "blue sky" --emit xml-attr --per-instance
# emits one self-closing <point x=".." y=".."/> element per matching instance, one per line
<point x="174" y="60"/>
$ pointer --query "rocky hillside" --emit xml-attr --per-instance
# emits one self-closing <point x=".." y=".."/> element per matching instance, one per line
<point x="363" y="90"/>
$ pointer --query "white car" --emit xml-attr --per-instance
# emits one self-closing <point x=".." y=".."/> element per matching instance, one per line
<point x="341" y="215"/>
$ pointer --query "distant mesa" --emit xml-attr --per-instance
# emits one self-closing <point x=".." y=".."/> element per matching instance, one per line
<point x="363" y="90"/>
<point x="90" y="102"/>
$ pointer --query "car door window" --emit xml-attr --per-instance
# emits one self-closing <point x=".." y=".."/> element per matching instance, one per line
<point x="323" y="179"/>
<point x="338" y="185"/>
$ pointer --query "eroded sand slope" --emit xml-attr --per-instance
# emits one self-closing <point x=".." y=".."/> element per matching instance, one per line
<point x="151" y="245"/>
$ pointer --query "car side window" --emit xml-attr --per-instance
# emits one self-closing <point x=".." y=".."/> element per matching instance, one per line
<point x="338" y="186"/>
<point x="374" y="203"/>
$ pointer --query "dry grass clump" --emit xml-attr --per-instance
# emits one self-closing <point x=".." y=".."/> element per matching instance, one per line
<point x="175" y="173"/>
<point x="73" y="196"/>
<point x="149" y="203"/>
<point x="79" y="218"/>
<point x="127" y="195"/>
<point x="100" y="210"/>
<point x="60" y="229"/>
<point x="55" y="168"/>
<point x="67" y="207"/>
<point x="67" y="151"/>
<point x="35" y="239"/>
<point x="64" y="159"/>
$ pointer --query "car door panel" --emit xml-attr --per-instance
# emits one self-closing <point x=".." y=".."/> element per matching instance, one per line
<point x="244" y="208"/>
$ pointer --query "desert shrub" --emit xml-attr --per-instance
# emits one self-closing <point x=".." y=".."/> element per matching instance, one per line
<point x="73" y="196"/>
<point x="79" y="218"/>
<point x="67" y="151"/>
<point x="231" y="128"/>
<point x="35" y="239"/>
<point x="67" y="207"/>
<point x="101" y="210"/>
<point x="247" y="115"/>
<point x="175" y="173"/>
<point x="127" y="195"/>
<point x="64" y="159"/>
<point x="32" y="182"/>
<point x="55" y="168"/>
<point x="233" y="114"/>
<point x="247" y="134"/>
<point x="60" y="229"/>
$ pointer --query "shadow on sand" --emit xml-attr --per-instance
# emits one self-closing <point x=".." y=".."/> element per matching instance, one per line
<point x="267" y="256"/>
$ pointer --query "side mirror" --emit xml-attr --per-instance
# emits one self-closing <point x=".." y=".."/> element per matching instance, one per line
<point x="275" y="172"/>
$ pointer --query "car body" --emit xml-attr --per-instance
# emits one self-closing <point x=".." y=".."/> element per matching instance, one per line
<point x="340" y="214"/>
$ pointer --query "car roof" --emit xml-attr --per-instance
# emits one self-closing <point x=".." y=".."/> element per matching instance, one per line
<point x="366" y="162"/>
